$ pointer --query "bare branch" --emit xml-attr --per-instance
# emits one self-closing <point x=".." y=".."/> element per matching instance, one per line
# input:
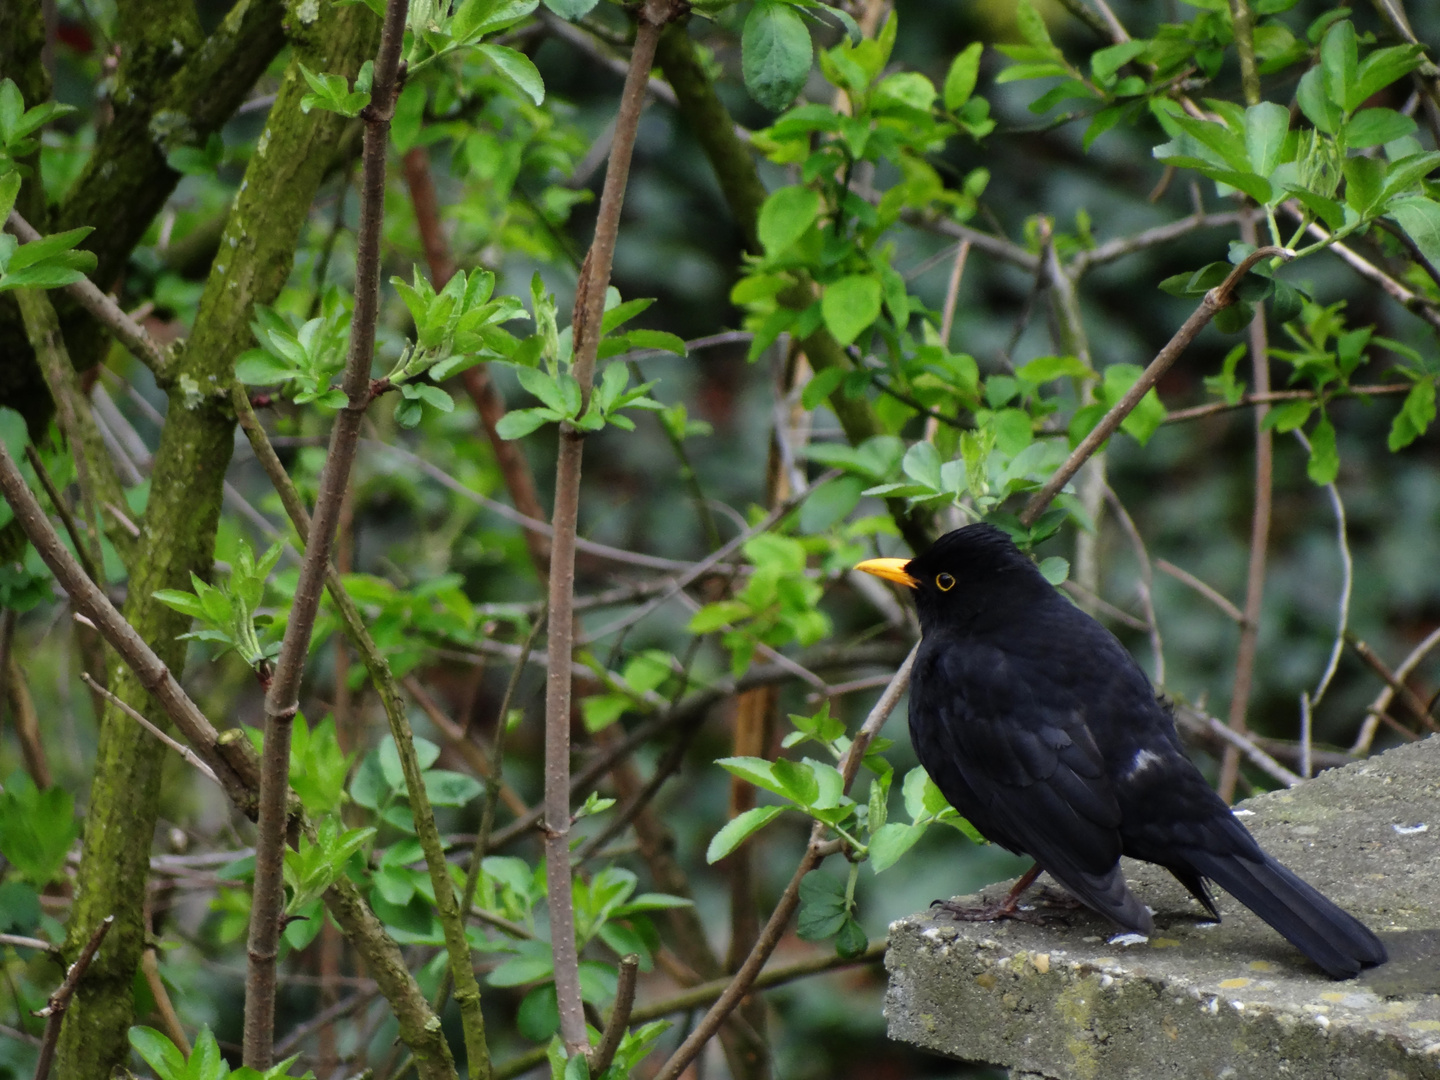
<point x="184" y="751"/>
<point x="281" y="697"/>
<point x="1196" y="412"/>
<point x="106" y="311"/>
<point x="1382" y="701"/>
<point x="780" y="918"/>
<point x="1259" y="539"/>
<point x="585" y="324"/>
<point x="1217" y="298"/>
<point x="54" y="1010"/>
<point x="1210" y="593"/>
<point x="1252" y="751"/>
<point x="619" y="1015"/>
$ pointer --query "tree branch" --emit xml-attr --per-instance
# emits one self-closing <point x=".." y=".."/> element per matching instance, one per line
<point x="1222" y="296"/>
<point x="780" y="918"/>
<point x="281" y="697"/>
<point x="106" y="311"/>
<point x="54" y="1010"/>
<point x="589" y="309"/>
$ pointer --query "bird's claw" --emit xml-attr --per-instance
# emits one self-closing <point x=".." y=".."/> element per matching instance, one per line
<point x="991" y="911"/>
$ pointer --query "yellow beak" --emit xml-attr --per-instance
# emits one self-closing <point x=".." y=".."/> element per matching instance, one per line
<point x="890" y="570"/>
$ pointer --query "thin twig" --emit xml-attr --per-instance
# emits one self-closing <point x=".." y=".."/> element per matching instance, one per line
<point x="1217" y="298"/>
<point x="150" y="965"/>
<point x="585" y="326"/>
<point x="1407" y="298"/>
<point x="105" y="310"/>
<point x="54" y="1010"/>
<point x="72" y="527"/>
<point x="281" y="697"/>
<point x="1208" y="592"/>
<point x="1145" y="585"/>
<point x="544" y="528"/>
<point x="1196" y="412"/>
<point x="704" y="993"/>
<point x="1259" y="540"/>
<point x="1411" y="700"/>
<point x="619" y="1015"/>
<point x="1347" y="581"/>
<point x="1382" y="701"/>
<point x="1256" y="756"/>
<point x="694" y="571"/>
<point x="184" y="751"/>
<point x="780" y="918"/>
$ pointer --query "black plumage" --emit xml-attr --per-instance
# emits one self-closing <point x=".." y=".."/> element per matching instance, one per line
<point x="1038" y="726"/>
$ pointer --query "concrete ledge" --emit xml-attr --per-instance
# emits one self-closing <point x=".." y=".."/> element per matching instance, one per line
<point x="1232" y="1001"/>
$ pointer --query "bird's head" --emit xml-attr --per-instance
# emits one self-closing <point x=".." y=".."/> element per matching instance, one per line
<point x="964" y="571"/>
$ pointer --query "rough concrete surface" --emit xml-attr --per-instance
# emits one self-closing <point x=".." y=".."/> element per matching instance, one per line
<point x="1229" y="1001"/>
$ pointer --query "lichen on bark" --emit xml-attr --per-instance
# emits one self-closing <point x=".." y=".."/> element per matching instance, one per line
<point x="178" y="530"/>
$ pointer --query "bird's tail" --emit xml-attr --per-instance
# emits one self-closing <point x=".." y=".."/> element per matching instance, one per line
<point x="1332" y="938"/>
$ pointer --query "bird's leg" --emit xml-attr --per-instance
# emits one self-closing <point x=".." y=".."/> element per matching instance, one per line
<point x="1009" y="908"/>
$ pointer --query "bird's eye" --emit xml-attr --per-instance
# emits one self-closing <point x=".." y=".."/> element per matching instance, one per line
<point x="944" y="582"/>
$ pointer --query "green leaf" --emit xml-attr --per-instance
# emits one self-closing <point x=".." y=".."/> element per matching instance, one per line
<point x="159" y="1053"/>
<point x="9" y="184"/>
<point x="1324" y="463"/>
<point x="1316" y="105"/>
<point x="570" y="9"/>
<point x="1147" y="416"/>
<point x="521" y="970"/>
<point x="960" y="79"/>
<point x="1289" y="416"/>
<point x="1374" y="127"/>
<point x="851" y="941"/>
<point x="1327" y="210"/>
<point x="447" y="788"/>
<point x="1257" y="187"/>
<point x="544" y="386"/>
<point x="47" y="246"/>
<point x="821" y="385"/>
<point x="738" y="829"/>
<point x="1054" y="569"/>
<point x="183" y="602"/>
<point x="662" y="340"/>
<point x="256" y="367"/>
<point x="775" y="54"/>
<point x="1415" y="415"/>
<point x="518" y="68"/>
<point x="1266" y="125"/>
<point x="36" y="828"/>
<point x="1032" y="26"/>
<point x="786" y="216"/>
<point x="1381" y="68"/>
<point x="1420" y="218"/>
<point x="1339" y="64"/>
<point x="1404" y="173"/>
<point x="823" y="909"/>
<point x="890" y="842"/>
<point x="1106" y="63"/>
<point x="850" y="305"/>
<point x="1045" y="368"/>
<point x="829" y="503"/>
<point x="1363" y="181"/>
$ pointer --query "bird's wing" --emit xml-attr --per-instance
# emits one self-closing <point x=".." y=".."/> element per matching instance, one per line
<point x="1022" y="745"/>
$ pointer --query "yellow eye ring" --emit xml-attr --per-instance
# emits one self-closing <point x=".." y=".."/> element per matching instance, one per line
<point x="944" y="582"/>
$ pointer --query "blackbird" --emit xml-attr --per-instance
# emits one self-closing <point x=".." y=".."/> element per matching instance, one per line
<point x="1037" y="726"/>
